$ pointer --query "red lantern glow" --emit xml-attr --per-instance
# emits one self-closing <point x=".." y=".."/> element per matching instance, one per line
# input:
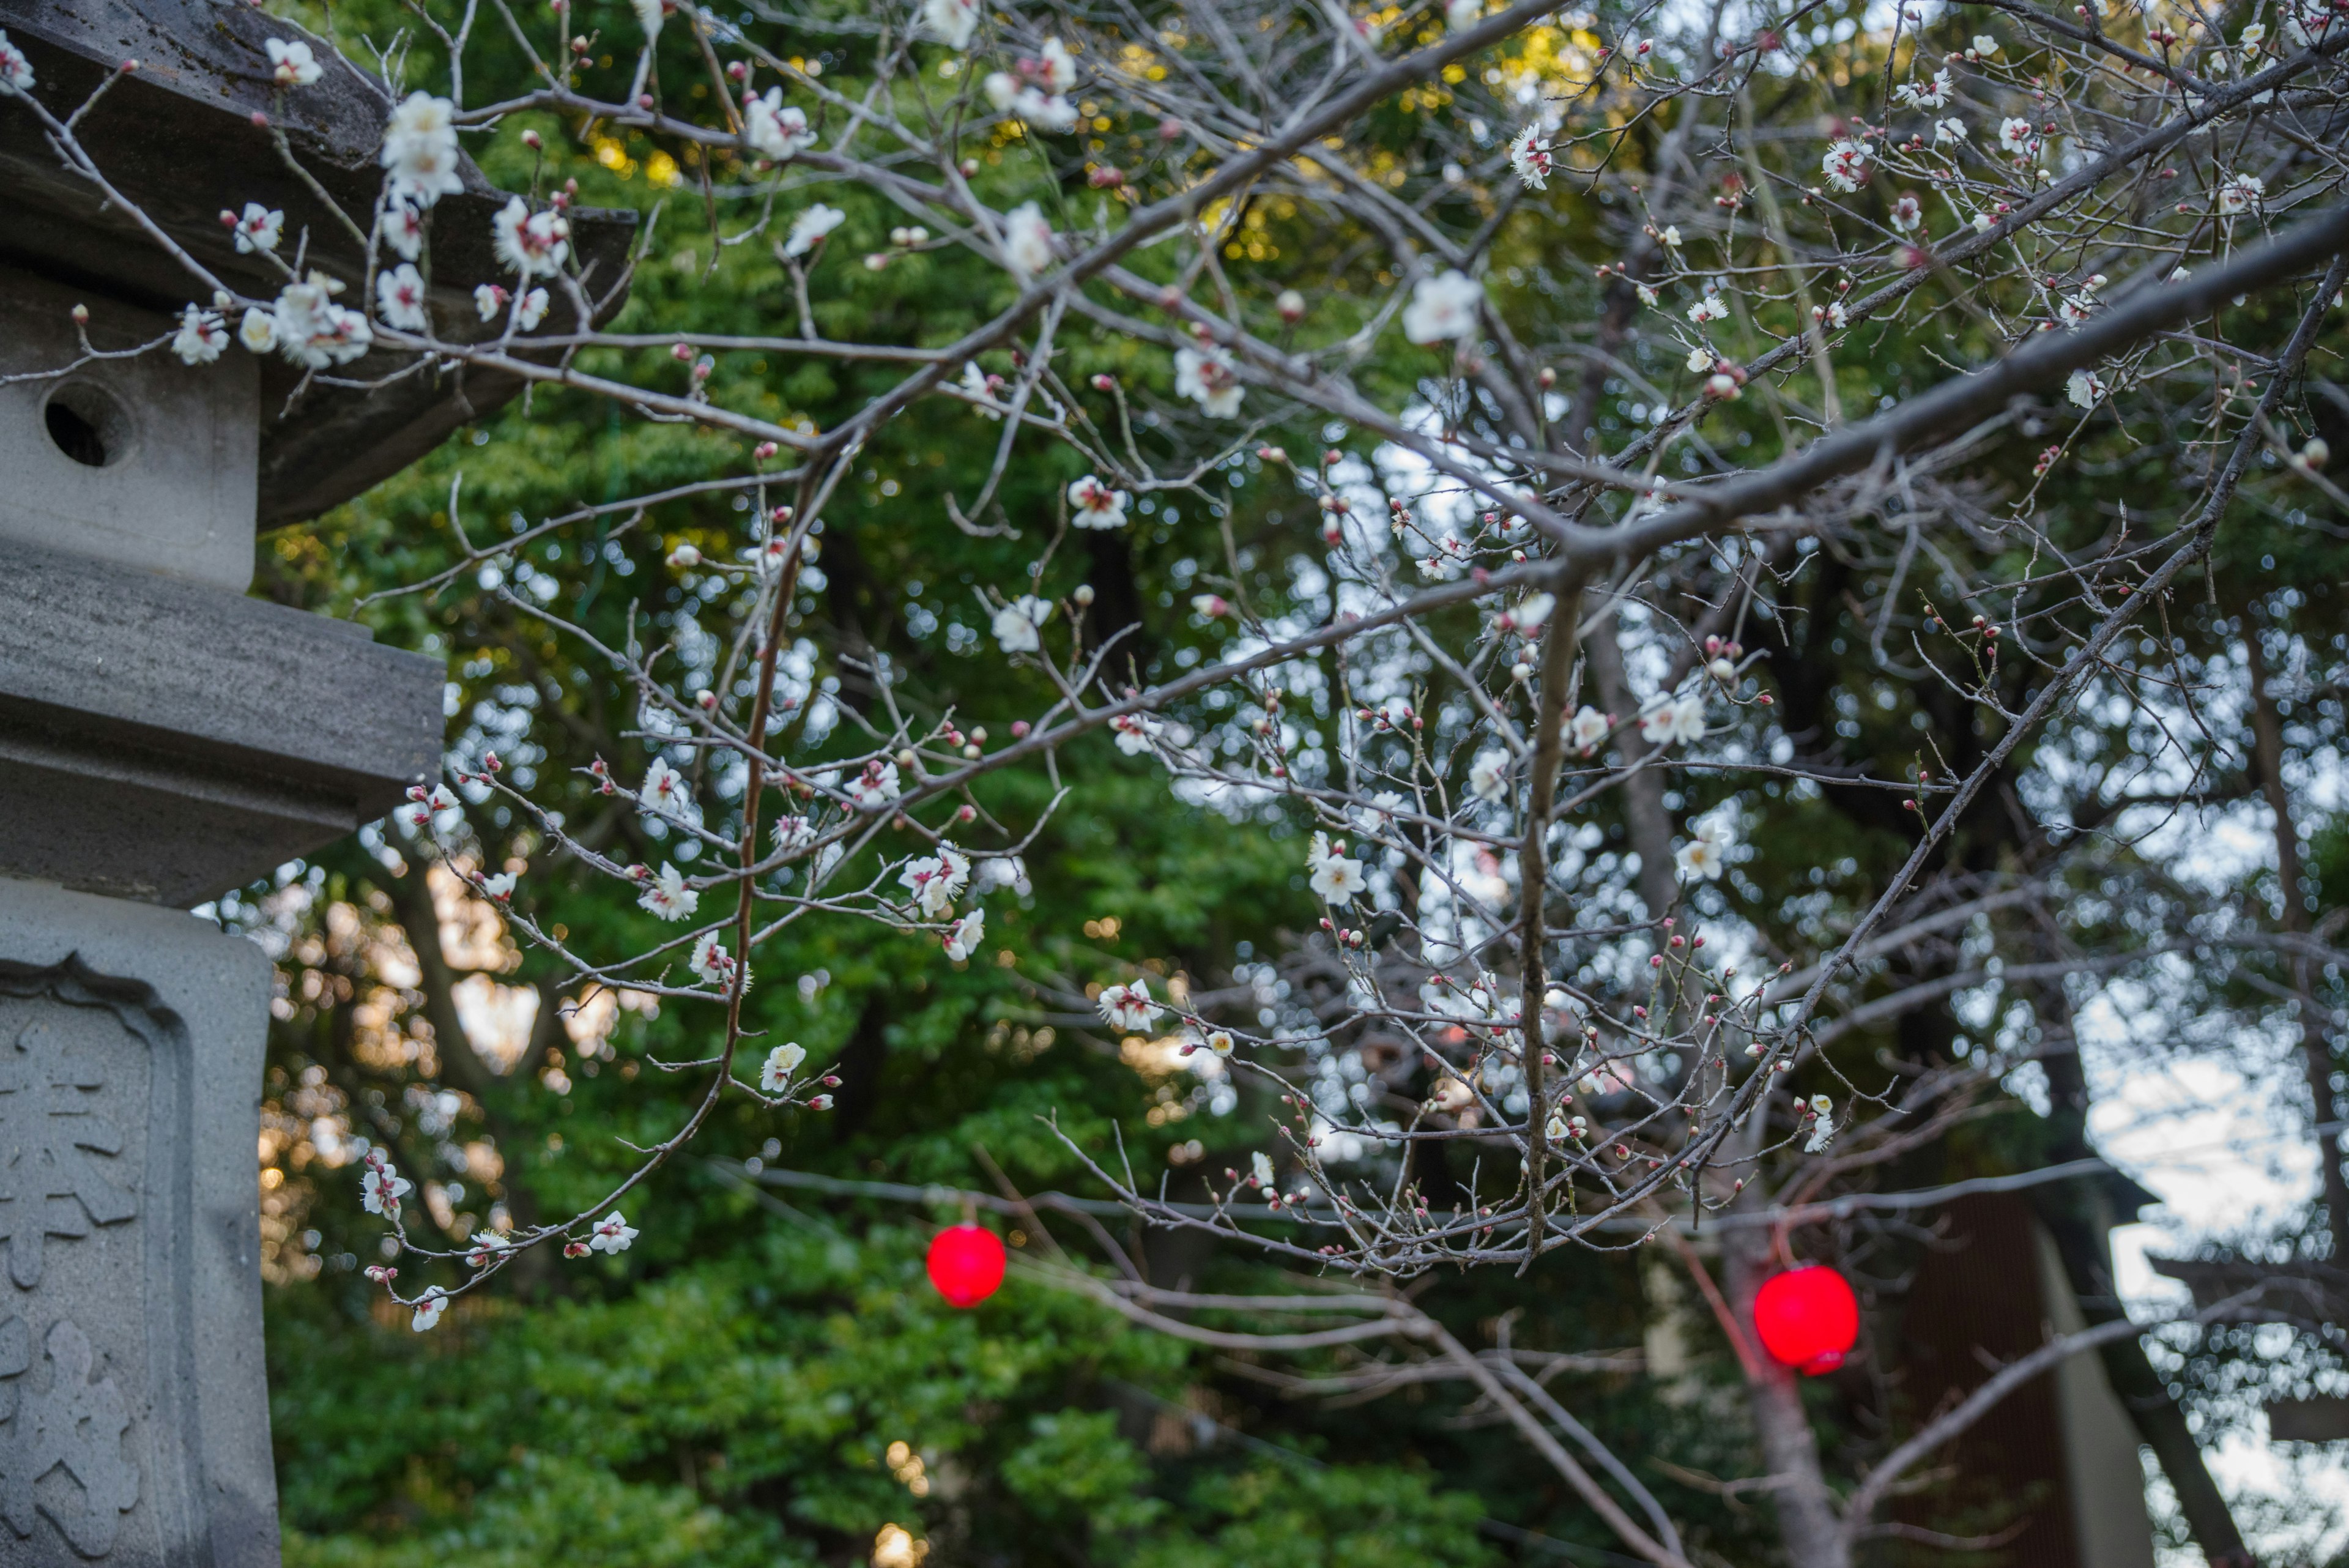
<point x="966" y="1263"/>
<point x="1806" y="1318"/>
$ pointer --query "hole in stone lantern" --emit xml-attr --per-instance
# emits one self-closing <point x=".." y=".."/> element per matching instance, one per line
<point x="87" y="424"/>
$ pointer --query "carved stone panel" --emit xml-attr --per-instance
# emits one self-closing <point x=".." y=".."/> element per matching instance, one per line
<point x="133" y="1421"/>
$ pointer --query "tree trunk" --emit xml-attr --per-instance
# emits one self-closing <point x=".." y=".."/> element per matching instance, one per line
<point x="1807" y="1522"/>
<point x="2316" y="1049"/>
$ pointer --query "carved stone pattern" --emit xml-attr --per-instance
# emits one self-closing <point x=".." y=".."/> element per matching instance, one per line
<point x="77" y="1425"/>
<point x="49" y="1125"/>
<point x="51" y="1185"/>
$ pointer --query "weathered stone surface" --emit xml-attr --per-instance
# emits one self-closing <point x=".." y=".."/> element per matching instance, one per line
<point x="144" y="462"/>
<point x="165" y="741"/>
<point x="134" y="1426"/>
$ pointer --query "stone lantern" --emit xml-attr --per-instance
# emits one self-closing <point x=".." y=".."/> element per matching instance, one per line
<point x="164" y="738"/>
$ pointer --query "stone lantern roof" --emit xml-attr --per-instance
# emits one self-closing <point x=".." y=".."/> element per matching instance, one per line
<point x="176" y="137"/>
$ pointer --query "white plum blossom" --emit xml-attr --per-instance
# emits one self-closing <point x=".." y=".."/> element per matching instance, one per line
<point x="1015" y="624"/>
<point x="429" y="1308"/>
<point x="1488" y="776"/>
<point x="1701" y="857"/>
<point x="875" y="787"/>
<point x="612" y="1234"/>
<point x="1056" y="70"/>
<point x="500" y="887"/>
<point x="258" y="330"/>
<point x="419" y="149"/>
<point x="1050" y="110"/>
<point x="1588" y="727"/>
<point x="2240" y="193"/>
<point x="292" y="64"/>
<point x="1027" y="241"/>
<point x="1949" y="130"/>
<point x="1459" y="16"/>
<point x="667" y="895"/>
<point x="775" y="1072"/>
<point x="962" y="938"/>
<point x="382" y="1187"/>
<point x="400" y="297"/>
<point x="1984" y="46"/>
<point x="1672" y="238"/>
<point x="202" y="335"/>
<point x="793" y="833"/>
<point x="1845" y="165"/>
<point x="1335" y="878"/>
<point x="257" y="230"/>
<point x="980" y="386"/>
<point x="403" y="228"/>
<point x="422" y="810"/>
<point x="532" y="243"/>
<point x="1134" y="732"/>
<point x="1128" y="1007"/>
<point x="774" y="130"/>
<point x="1823" y="1130"/>
<point x="1668" y="721"/>
<point x="1935" y="94"/>
<point x="1097" y="505"/>
<point x="664" y="791"/>
<point x="810" y="227"/>
<point x="531" y="309"/>
<point x="1260" y="1167"/>
<point x="1711" y="307"/>
<point x="710" y="962"/>
<point x="1529" y="615"/>
<point x="1206" y="374"/>
<point x="489" y="298"/>
<point x="2014" y="134"/>
<point x="16" y="70"/>
<point x="314" y="332"/>
<point x="1529" y="156"/>
<point x="2084" y="388"/>
<point x="1443" y="307"/>
<point x="1907" y="214"/>
<point x="934" y="880"/>
<point x="950" y="22"/>
<point x="487" y="1248"/>
<point x="1000" y="88"/>
<point x="1700" y="358"/>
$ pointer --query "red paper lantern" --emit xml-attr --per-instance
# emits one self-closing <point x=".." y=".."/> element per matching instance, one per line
<point x="1806" y="1318"/>
<point x="966" y="1263"/>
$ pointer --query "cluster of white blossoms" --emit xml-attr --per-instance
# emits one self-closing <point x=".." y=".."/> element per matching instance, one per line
<point x="1845" y="165"/>
<point x="380" y="1186"/>
<point x="935" y="882"/>
<point x="1668" y="721"/>
<point x="1039" y="94"/>
<point x="308" y="326"/>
